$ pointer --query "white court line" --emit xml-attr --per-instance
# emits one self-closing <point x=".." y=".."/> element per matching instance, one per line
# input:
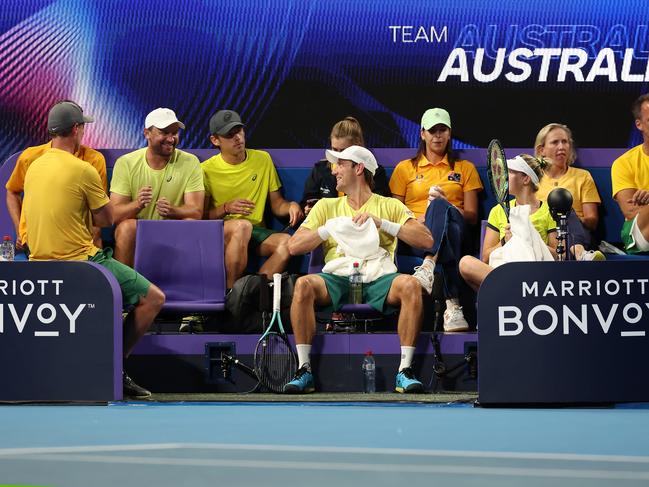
<point x="357" y="467"/>
<point x="332" y="449"/>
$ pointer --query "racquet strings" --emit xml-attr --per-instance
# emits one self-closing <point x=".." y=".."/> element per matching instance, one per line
<point x="274" y="362"/>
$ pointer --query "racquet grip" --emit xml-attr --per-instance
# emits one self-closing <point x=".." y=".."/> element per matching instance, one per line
<point x="277" y="291"/>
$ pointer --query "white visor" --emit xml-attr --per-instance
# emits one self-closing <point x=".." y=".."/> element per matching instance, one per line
<point x="519" y="164"/>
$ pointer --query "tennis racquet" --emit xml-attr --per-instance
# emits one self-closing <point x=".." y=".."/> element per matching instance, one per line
<point x="275" y="361"/>
<point x="498" y="174"/>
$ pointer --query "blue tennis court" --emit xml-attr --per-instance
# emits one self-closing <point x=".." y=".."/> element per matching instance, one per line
<point x="169" y="444"/>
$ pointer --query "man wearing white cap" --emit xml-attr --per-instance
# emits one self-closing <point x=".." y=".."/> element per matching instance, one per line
<point x="354" y="170"/>
<point x="156" y="182"/>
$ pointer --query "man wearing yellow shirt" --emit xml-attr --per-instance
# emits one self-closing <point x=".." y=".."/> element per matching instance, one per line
<point x="630" y="179"/>
<point x="354" y="170"/>
<point x="64" y="198"/>
<point x="238" y="182"/>
<point x="16" y="183"/>
<point x="157" y="182"/>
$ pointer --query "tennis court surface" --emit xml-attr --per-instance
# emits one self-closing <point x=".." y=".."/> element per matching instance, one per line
<point x="171" y="444"/>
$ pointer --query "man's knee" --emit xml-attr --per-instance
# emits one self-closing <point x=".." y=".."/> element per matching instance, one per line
<point x="282" y="245"/>
<point x="238" y="231"/>
<point x="125" y="230"/>
<point x="304" y="289"/>
<point x="407" y="289"/>
<point x="154" y="298"/>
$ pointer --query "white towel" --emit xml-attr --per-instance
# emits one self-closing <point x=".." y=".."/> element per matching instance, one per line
<point x="358" y="243"/>
<point x="526" y="244"/>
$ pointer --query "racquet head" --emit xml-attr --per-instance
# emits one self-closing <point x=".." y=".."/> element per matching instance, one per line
<point x="275" y="361"/>
<point x="498" y="174"/>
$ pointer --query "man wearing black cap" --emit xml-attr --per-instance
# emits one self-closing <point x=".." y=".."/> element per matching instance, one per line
<point x="157" y="182"/>
<point x="238" y="181"/>
<point x="64" y="197"/>
<point x="16" y="183"/>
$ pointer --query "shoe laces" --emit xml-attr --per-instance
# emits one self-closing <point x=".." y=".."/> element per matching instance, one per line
<point x="301" y="371"/>
<point x="424" y="269"/>
<point x="454" y="313"/>
<point x="407" y="373"/>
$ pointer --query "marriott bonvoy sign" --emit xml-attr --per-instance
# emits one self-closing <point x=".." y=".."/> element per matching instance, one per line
<point x="60" y="332"/>
<point x="564" y="332"/>
<point x="47" y="317"/>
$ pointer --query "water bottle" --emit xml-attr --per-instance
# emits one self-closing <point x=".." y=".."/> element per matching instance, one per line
<point x="356" y="285"/>
<point x="7" y="249"/>
<point x="369" y="373"/>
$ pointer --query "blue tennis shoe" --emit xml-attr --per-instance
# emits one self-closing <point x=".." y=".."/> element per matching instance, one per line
<point x="302" y="383"/>
<point x="407" y="382"/>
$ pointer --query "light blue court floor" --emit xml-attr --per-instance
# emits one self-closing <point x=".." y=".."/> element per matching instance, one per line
<point x="197" y="444"/>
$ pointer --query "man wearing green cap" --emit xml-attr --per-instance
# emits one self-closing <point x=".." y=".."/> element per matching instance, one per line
<point x="238" y="182"/>
<point x="64" y="198"/>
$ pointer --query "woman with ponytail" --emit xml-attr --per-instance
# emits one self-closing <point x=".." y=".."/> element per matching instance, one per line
<point x="525" y="175"/>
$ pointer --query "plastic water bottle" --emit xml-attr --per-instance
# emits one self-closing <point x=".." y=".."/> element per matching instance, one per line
<point x="369" y="373"/>
<point x="356" y="285"/>
<point x="7" y="248"/>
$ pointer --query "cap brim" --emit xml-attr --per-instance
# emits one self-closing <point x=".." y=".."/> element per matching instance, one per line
<point x="332" y="156"/>
<point x="228" y="127"/>
<point x="87" y="119"/>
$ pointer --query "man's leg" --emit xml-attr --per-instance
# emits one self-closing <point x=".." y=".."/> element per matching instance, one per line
<point x="275" y="247"/>
<point x="405" y="292"/>
<point x="236" y="234"/>
<point x="142" y="317"/>
<point x="125" y="242"/>
<point x="309" y="290"/>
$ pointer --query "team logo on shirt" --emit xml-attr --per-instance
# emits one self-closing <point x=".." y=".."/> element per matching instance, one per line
<point x="454" y="176"/>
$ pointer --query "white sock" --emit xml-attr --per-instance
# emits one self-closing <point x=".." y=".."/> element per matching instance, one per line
<point x="452" y="303"/>
<point x="407" y="353"/>
<point x="303" y="352"/>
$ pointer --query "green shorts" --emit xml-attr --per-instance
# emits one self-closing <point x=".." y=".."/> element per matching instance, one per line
<point x="630" y="246"/>
<point x="259" y="234"/>
<point x="133" y="285"/>
<point x="374" y="293"/>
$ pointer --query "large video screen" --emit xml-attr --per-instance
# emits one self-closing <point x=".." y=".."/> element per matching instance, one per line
<point x="292" y="68"/>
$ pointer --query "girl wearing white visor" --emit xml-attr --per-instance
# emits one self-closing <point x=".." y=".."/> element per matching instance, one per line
<point x="525" y="173"/>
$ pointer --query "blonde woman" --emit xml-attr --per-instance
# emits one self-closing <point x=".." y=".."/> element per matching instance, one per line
<point x="525" y="174"/>
<point x="555" y="142"/>
<point x="321" y="183"/>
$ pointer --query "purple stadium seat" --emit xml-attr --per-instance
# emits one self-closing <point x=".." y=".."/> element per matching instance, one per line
<point x="185" y="259"/>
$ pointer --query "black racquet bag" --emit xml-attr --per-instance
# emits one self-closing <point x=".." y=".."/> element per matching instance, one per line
<point x="250" y="304"/>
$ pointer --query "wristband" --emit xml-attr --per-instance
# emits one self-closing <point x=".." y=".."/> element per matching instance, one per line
<point x="389" y="227"/>
<point x="323" y="233"/>
<point x="502" y="242"/>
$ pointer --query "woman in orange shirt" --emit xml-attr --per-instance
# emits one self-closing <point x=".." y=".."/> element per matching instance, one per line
<point x="442" y="191"/>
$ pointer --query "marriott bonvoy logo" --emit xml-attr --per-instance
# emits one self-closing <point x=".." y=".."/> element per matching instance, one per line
<point x="568" y="308"/>
<point x="36" y="314"/>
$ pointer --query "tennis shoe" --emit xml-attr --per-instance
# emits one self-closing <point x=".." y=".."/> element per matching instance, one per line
<point x="594" y="255"/>
<point x="454" y="319"/>
<point x="407" y="382"/>
<point x="191" y="324"/>
<point x="425" y="275"/>
<point x="131" y="389"/>
<point x="302" y="382"/>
